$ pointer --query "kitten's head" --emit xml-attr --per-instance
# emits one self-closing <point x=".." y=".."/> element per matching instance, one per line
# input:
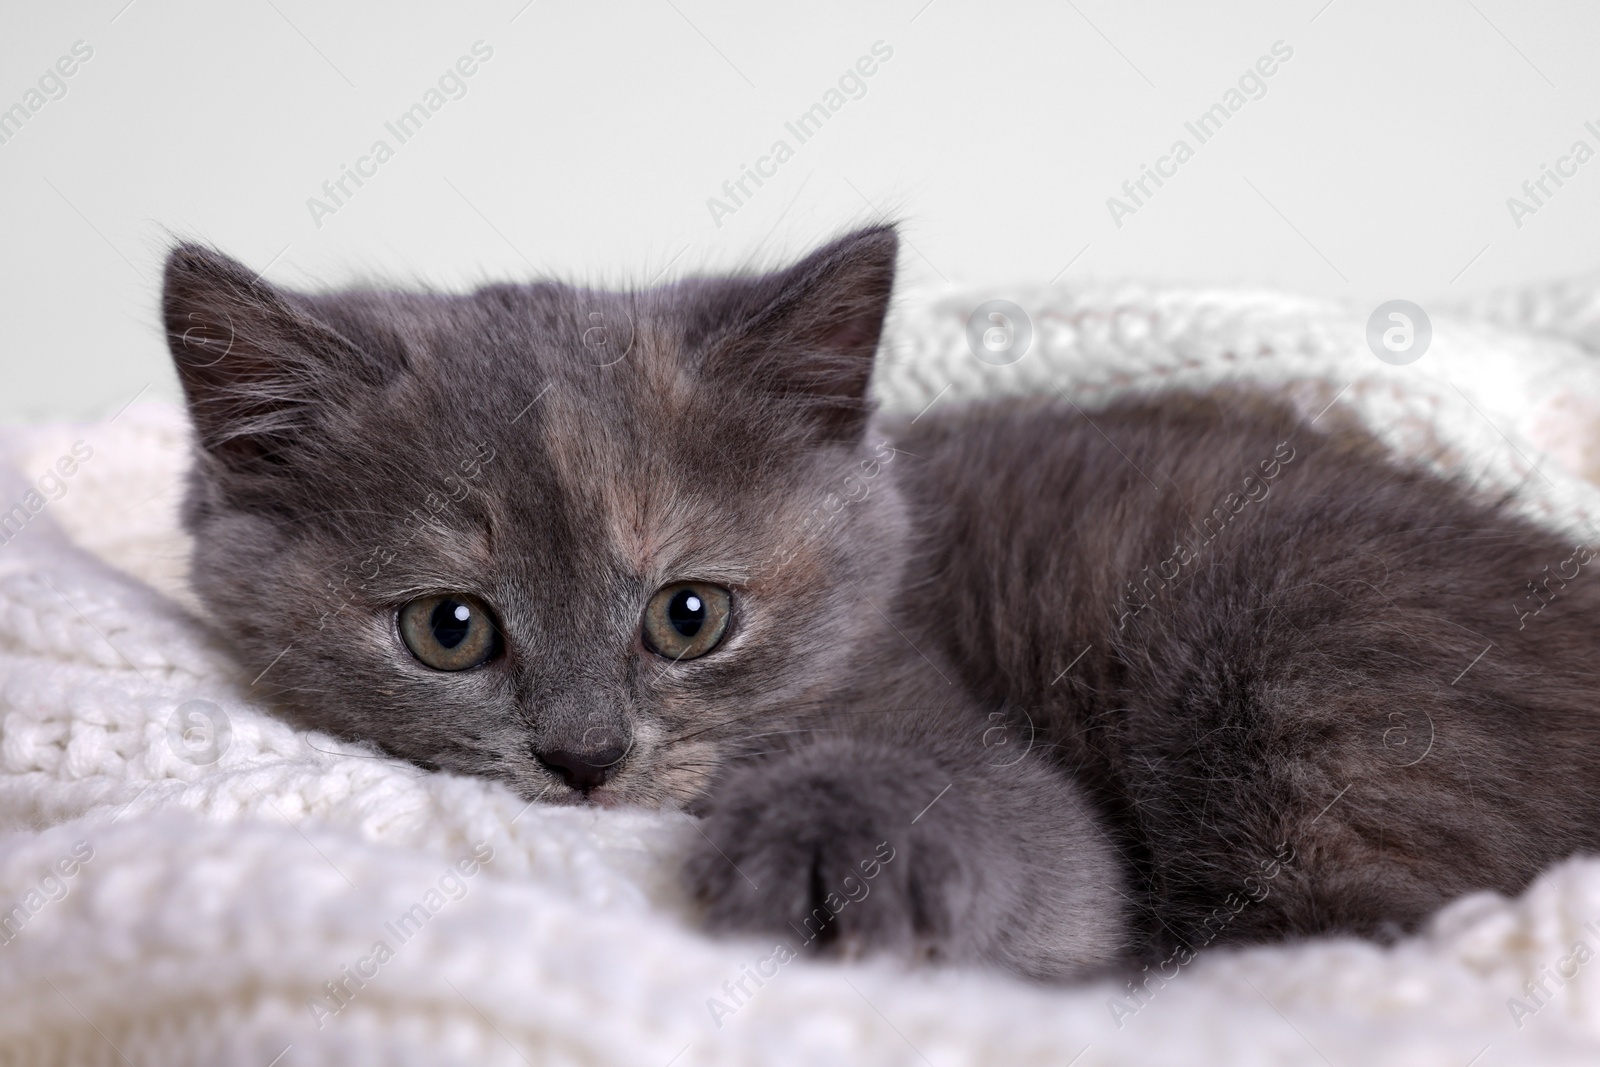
<point x="591" y="543"/>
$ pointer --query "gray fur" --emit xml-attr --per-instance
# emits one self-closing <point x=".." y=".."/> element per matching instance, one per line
<point x="1226" y="760"/>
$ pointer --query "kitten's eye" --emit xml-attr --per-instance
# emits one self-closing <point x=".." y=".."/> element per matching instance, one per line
<point x="686" y="619"/>
<point x="449" y="633"/>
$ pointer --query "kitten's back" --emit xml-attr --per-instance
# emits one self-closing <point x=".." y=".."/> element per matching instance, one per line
<point x="1253" y="639"/>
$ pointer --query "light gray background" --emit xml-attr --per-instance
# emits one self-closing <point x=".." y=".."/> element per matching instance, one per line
<point x="1377" y="165"/>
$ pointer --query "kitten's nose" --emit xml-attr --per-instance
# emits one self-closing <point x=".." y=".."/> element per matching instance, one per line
<point x="586" y="769"/>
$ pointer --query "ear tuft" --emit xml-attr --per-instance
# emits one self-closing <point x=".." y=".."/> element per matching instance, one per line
<point x="251" y="362"/>
<point x="810" y="333"/>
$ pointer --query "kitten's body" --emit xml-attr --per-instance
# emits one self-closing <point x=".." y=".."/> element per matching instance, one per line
<point x="1331" y="672"/>
<point x="1318" y="712"/>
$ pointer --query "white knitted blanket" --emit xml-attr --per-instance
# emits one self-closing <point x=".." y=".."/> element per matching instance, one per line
<point x="190" y="883"/>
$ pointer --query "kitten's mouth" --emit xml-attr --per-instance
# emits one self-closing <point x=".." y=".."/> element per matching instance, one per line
<point x="608" y="795"/>
<point x="604" y="797"/>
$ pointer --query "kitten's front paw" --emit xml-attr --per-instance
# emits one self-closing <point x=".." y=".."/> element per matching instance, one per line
<point x="842" y="847"/>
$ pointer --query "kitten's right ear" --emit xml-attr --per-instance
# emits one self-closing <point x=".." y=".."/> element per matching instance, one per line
<point x="806" y="336"/>
<point x="252" y="364"/>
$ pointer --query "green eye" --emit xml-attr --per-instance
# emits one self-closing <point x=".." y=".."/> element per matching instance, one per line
<point x="686" y="619"/>
<point x="449" y="633"/>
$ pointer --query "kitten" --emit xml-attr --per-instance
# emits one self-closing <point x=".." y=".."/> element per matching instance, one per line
<point x="1007" y="683"/>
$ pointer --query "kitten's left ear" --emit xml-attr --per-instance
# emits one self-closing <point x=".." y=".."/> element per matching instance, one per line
<point x="811" y="331"/>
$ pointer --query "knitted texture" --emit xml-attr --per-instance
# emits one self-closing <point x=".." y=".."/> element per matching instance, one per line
<point x="214" y="906"/>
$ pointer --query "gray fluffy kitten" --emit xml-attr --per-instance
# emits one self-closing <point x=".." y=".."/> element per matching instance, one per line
<point x="1056" y="688"/>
